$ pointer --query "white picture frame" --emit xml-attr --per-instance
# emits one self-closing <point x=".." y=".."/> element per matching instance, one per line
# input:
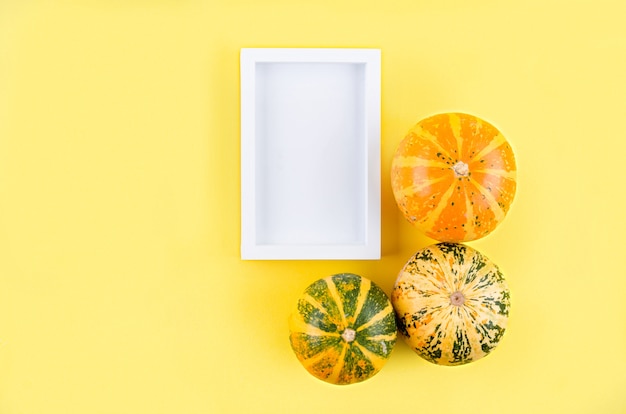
<point x="310" y="154"/>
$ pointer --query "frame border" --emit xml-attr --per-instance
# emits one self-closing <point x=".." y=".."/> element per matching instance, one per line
<point x="371" y="59"/>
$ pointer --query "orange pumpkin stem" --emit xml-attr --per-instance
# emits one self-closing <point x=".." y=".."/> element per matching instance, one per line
<point x="461" y="169"/>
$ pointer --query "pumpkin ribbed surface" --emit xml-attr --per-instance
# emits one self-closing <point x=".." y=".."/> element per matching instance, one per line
<point x="343" y="330"/>
<point x="452" y="304"/>
<point x="454" y="177"/>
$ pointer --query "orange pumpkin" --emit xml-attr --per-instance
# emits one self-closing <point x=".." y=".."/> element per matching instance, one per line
<point x="453" y="177"/>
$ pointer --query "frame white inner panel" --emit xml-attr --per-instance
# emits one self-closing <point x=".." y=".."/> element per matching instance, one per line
<point x="310" y="153"/>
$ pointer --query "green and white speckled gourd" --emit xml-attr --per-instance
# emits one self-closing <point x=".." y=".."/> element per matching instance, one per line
<point x="452" y="304"/>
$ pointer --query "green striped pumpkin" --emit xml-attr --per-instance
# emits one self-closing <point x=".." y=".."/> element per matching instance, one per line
<point x="451" y="304"/>
<point x="343" y="330"/>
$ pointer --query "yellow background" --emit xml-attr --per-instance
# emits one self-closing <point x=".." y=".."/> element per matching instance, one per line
<point x="121" y="287"/>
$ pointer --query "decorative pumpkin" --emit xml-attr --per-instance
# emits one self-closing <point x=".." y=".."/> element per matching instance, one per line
<point x="453" y="176"/>
<point x="343" y="330"/>
<point x="451" y="303"/>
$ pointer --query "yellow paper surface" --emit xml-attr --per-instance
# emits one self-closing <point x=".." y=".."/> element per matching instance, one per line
<point x="121" y="287"/>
